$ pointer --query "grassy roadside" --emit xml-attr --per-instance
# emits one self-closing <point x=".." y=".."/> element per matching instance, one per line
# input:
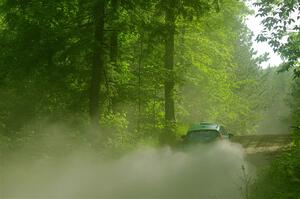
<point x="282" y="179"/>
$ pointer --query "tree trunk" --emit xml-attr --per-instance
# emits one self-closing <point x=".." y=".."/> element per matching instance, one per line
<point x="140" y="85"/>
<point x="169" y="67"/>
<point x="114" y="45"/>
<point x="98" y="63"/>
<point x="114" y="34"/>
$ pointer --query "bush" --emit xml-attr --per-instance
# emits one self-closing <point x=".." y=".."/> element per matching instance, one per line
<point x="282" y="179"/>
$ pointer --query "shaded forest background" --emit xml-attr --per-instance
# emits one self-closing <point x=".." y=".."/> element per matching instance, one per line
<point x="119" y="73"/>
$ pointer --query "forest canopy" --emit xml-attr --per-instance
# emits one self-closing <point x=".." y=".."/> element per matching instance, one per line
<point x="125" y="72"/>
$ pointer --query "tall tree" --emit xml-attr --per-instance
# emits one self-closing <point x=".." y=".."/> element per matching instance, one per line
<point x="170" y="19"/>
<point x="114" y="32"/>
<point x="172" y="10"/>
<point x="98" y="62"/>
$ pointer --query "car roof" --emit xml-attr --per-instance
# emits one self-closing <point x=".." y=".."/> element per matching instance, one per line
<point x="204" y="126"/>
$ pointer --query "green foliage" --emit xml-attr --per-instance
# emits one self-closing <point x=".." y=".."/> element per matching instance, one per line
<point x="282" y="179"/>
<point x="54" y="52"/>
<point x="282" y="30"/>
<point x="221" y="73"/>
<point x="46" y="62"/>
<point x="294" y="102"/>
<point x="277" y="117"/>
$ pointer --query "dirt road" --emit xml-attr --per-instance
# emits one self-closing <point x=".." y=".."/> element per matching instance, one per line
<point x="261" y="149"/>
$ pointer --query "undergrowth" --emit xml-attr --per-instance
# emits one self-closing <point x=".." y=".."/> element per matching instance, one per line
<point x="282" y="179"/>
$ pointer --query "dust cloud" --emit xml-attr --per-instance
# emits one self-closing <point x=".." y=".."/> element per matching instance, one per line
<point x="210" y="171"/>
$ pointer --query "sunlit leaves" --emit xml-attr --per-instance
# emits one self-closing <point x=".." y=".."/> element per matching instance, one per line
<point x="281" y="24"/>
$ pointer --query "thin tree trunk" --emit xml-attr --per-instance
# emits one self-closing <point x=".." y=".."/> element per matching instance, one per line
<point x="114" y="34"/>
<point x="98" y="64"/>
<point x="169" y="67"/>
<point x="114" y="45"/>
<point x="140" y="84"/>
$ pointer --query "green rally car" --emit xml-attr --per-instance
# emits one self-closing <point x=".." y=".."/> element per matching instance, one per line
<point x="205" y="132"/>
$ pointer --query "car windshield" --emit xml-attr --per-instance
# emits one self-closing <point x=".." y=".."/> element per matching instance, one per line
<point x="202" y="134"/>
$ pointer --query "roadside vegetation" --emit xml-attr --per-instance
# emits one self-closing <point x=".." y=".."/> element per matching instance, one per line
<point x="282" y="178"/>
